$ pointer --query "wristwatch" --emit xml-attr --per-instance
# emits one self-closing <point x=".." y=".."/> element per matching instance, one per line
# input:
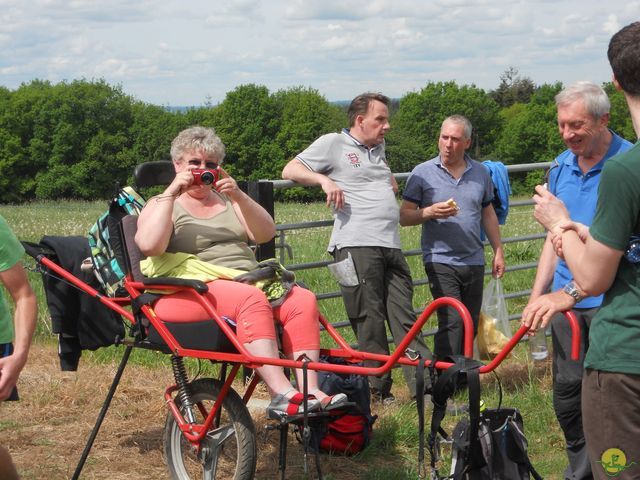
<point x="571" y="290"/>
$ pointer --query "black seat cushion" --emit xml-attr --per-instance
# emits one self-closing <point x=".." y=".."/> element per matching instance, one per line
<point x="202" y="335"/>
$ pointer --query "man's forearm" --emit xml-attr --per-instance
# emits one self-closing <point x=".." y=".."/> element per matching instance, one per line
<point x="491" y="227"/>
<point x="298" y="172"/>
<point x="545" y="269"/>
<point x="592" y="264"/>
<point x="26" y="313"/>
<point x="410" y="216"/>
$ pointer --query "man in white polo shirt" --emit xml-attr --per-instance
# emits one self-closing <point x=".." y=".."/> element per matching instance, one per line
<point x="352" y="170"/>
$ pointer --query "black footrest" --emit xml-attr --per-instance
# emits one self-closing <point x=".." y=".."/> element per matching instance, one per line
<point x="298" y="418"/>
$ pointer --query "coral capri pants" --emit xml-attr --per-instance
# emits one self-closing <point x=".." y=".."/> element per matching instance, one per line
<point x="249" y="308"/>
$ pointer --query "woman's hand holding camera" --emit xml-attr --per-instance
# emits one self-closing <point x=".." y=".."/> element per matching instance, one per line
<point x="227" y="185"/>
<point x="182" y="181"/>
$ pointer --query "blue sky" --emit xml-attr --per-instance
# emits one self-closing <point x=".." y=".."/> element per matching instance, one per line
<point x="173" y="53"/>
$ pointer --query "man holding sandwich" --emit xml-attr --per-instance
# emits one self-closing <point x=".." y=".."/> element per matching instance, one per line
<point x="450" y="196"/>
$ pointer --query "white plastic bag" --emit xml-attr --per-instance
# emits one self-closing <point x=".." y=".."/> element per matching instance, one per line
<point x="494" y="330"/>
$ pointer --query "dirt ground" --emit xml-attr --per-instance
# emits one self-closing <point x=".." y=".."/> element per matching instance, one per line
<point x="47" y="430"/>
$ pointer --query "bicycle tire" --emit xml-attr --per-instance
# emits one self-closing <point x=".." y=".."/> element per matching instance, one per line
<point x="233" y="441"/>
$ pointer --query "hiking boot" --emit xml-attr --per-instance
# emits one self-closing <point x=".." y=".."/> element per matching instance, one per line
<point x="385" y="398"/>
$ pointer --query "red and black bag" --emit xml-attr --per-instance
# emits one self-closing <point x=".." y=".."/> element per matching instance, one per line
<point x="347" y="433"/>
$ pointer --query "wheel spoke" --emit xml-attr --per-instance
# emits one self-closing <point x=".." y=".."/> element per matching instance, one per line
<point x="217" y="437"/>
<point x="210" y="466"/>
<point x="212" y="448"/>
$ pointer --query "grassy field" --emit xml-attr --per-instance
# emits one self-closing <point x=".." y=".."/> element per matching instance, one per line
<point x="526" y="385"/>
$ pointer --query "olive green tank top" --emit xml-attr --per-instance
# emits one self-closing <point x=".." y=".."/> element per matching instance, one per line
<point x="220" y="239"/>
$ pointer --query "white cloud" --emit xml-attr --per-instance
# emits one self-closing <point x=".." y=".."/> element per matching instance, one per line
<point x="611" y="24"/>
<point x="335" y="43"/>
<point x="237" y="13"/>
<point x="173" y="53"/>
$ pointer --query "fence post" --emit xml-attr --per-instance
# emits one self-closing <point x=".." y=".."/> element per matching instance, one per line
<point x="262" y="192"/>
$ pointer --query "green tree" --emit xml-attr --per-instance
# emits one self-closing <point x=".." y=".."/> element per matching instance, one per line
<point x="62" y="140"/>
<point x="545" y="93"/>
<point x="22" y="156"/>
<point x="149" y="137"/>
<point x="530" y="132"/>
<point x="246" y="120"/>
<point x="304" y="115"/>
<point x="513" y="88"/>
<point x="90" y="123"/>
<point x="530" y="135"/>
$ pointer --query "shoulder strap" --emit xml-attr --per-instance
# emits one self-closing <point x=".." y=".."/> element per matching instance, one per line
<point x="420" y="406"/>
<point x="520" y="456"/>
<point x="555" y="165"/>
<point x="130" y="200"/>
<point x="443" y="389"/>
<point x="475" y="457"/>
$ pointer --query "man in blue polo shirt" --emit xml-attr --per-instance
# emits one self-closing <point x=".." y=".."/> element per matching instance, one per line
<point x="450" y="196"/>
<point x="574" y="177"/>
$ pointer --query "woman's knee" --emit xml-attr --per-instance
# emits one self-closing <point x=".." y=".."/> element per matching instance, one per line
<point x="251" y="310"/>
<point x="299" y="318"/>
<point x="303" y="300"/>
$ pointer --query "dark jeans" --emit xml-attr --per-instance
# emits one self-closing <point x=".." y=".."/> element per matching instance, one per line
<point x="384" y="295"/>
<point x="464" y="284"/>
<point x="567" y="389"/>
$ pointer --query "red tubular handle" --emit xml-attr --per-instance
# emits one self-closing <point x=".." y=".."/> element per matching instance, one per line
<point x="575" y="334"/>
<point x="462" y="311"/>
<point x="575" y="343"/>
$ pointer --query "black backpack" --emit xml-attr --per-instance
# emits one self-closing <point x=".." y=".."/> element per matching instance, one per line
<point x="503" y="445"/>
<point x="489" y="445"/>
<point x="350" y="431"/>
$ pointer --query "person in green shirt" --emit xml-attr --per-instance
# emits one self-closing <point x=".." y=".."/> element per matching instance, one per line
<point x="605" y="258"/>
<point x="16" y="332"/>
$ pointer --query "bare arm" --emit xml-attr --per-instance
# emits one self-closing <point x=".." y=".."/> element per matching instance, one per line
<point x="592" y="264"/>
<point x="26" y="311"/>
<point x="155" y="223"/>
<point x="298" y="172"/>
<point x="545" y="270"/>
<point x="538" y="312"/>
<point x="492" y="229"/>
<point x="257" y="222"/>
<point x="542" y="307"/>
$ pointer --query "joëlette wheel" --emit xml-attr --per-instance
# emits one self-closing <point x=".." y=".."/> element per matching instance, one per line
<point x="228" y="451"/>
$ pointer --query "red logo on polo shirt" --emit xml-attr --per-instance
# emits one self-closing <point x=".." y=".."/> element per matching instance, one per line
<point x="354" y="160"/>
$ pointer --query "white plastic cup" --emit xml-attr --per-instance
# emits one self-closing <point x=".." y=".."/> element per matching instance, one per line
<point x="538" y="345"/>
